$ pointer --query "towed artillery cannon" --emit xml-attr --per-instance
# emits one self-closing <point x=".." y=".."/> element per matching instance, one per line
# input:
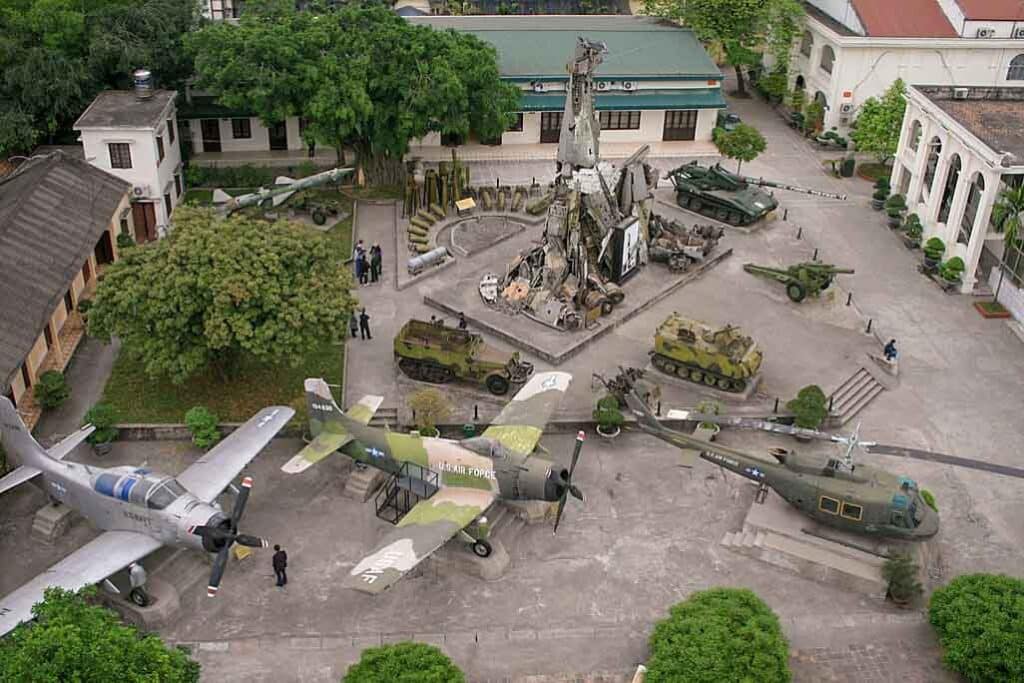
<point x="729" y="197"/>
<point x="801" y="279"/>
<point x="431" y="352"/>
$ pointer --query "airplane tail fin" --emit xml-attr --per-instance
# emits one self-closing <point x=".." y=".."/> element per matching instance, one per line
<point x="19" y="446"/>
<point x="324" y="409"/>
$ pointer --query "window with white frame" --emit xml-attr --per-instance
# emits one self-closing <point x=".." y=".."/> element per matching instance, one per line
<point x="806" y="43"/>
<point x="828" y="59"/>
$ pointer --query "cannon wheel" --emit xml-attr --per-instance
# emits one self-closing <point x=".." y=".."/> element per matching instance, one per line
<point x="796" y="291"/>
<point x="497" y="385"/>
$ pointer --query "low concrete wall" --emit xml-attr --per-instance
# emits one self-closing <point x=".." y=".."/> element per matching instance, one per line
<point x="179" y="432"/>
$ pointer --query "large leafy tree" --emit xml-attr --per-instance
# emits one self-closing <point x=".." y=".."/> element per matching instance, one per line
<point x="362" y="76"/>
<point x="744" y="30"/>
<point x="217" y="289"/>
<point x="877" y="129"/>
<point x="742" y="143"/>
<point x="403" y="663"/>
<point x="721" y="634"/>
<point x="72" y="640"/>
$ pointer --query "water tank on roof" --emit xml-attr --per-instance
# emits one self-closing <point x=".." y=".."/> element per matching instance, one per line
<point x="143" y="80"/>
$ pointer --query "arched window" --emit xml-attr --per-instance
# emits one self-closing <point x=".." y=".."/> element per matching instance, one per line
<point x="952" y="178"/>
<point x="820" y="98"/>
<point x="915" y="135"/>
<point x="828" y="58"/>
<point x="934" y="150"/>
<point x="800" y="83"/>
<point x="806" y="43"/>
<point x="971" y="209"/>
<point x="1016" y="70"/>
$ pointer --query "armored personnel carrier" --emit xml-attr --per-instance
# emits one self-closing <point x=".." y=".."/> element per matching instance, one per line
<point x="430" y="352"/>
<point x="722" y="358"/>
<point x="729" y="197"/>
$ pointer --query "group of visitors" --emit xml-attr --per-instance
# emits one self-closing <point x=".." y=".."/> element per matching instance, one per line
<point x="368" y="265"/>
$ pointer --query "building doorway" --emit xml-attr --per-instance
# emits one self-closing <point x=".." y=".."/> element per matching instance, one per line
<point x="680" y="125"/>
<point x="211" y="134"/>
<point x="279" y="135"/>
<point x="144" y="218"/>
<point x="104" y="250"/>
<point x="550" y="126"/>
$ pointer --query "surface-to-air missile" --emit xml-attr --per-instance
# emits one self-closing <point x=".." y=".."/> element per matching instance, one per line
<point x="801" y="279"/>
<point x="729" y="197"/>
<point x="269" y="197"/>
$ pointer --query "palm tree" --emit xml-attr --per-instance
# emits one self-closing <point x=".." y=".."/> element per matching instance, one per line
<point x="1008" y="215"/>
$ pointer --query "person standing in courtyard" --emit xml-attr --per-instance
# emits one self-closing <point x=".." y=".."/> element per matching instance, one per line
<point x="357" y="257"/>
<point x="353" y="324"/>
<point x="462" y="321"/>
<point x="890" y="351"/>
<point x="364" y="325"/>
<point x="280" y="562"/>
<point x="376" y="262"/>
<point x="364" y="268"/>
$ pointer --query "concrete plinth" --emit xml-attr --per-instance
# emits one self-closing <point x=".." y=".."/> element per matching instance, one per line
<point x="163" y="607"/>
<point x="458" y="556"/>
<point x="52" y="522"/>
<point x="657" y="376"/>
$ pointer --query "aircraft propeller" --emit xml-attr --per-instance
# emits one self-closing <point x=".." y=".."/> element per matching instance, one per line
<point x="566" y="481"/>
<point x="221" y="537"/>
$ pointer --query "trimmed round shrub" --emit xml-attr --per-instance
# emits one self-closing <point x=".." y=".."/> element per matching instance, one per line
<point x="979" y="619"/>
<point x="721" y="634"/>
<point x="403" y="663"/>
<point x="810" y="407"/>
<point x="103" y="417"/>
<point x="124" y="240"/>
<point x="51" y="389"/>
<point x="607" y="413"/>
<point x="203" y="425"/>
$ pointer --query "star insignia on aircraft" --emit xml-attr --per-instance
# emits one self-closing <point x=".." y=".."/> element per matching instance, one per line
<point x="754" y="472"/>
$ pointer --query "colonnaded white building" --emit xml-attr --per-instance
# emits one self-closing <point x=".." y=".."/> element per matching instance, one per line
<point x="854" y="49"/>
<point x="959" y="147"/>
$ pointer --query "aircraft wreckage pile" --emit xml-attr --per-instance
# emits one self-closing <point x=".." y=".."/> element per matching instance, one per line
<point x="599" y="229"/>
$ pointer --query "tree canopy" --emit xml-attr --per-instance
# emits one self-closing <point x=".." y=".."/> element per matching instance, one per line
<point x="721" y="634"/>
<point x="979" y="619"/>
<point x="744" y="30"/>
<point x="361" y="75"/>
<point x="56" y="56"/>
<point x="878" y="124"/>
<point x="403" y="663"/>
<point x="72" y="640"/>
<point x="216" y="289"/>
<point x="742" y="143"/>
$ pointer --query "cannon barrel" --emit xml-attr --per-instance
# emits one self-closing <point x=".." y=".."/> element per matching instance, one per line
<point x="827" y="268"/>
<point x="792" y="188"/>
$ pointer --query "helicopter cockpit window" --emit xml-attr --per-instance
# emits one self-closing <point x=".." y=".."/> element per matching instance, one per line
<point x="898" y="519"/>
<point x="165" y="493"/>
<point x="829" y="505"/>
<point x="851" y="511"/>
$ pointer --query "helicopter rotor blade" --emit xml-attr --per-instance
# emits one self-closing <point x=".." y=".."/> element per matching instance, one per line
<point x="956" y="461"/>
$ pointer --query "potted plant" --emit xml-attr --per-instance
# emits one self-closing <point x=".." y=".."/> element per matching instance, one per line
<point x="429" y="408"/>
<point x="912" y="229"/>
<point x="900" y="573"/>
<point x="894" y="208"/>
<point x="608" y="416"/>
<point x="103" y="417"/>
<point x="708" y="430"/>
<point x="881" y="194"/>
<point x="952" y="270"/>
<point x="933" y="250"/>
<point x="809" y="408"/>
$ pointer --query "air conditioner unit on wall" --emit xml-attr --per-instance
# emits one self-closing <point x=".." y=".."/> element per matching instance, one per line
<point x="961" y="93"/>
<point x="628" y="85"/>
<point x="1018" y="32"/>
<point x="140" y="191"/>
<point x="846" y="108"/>
<point x="603" y="85"/>
<point x="986" y="33"/>
<point x="537" y="86"/>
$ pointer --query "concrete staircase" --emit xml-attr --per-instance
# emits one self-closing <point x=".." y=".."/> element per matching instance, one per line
<point x="363" y="481"/>
<point x="385" y="416"/>
<point x="854" y="394"/>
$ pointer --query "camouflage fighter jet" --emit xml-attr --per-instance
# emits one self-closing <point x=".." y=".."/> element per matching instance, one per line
<point x="451" y="482"/>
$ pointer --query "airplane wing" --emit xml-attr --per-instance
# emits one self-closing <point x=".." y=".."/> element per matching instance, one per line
<point x="207" y="477"/>
<point x="521" y="422"/>
<point x="428" y="526"/>
<point x="93" y="562"/>
<point x="333" y="435"/>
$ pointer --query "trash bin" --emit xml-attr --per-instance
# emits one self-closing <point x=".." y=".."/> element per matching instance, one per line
<point x="469" y="430"/>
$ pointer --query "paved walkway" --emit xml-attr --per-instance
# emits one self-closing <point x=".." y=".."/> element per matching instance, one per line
<point x="87" y="376"/>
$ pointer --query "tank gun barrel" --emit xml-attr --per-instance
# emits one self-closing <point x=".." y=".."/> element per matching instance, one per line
<point x="792" y="188"/>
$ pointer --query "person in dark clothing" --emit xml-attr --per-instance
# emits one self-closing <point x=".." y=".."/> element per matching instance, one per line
<point x="280" y="565"/>
<point x="364" y="325"/>
<point x="462" y="321"/>
<point x="364" y="269"/>
<point x="353" y="324"/>
<point x="376" y="262"/>
<point x="359" y="265"/>
<point x="890" y="351"/>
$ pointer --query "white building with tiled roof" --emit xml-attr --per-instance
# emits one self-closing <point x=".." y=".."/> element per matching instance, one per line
<point x="854" y="49"/>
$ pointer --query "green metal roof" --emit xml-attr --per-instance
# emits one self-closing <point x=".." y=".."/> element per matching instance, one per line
<point x="540" y="46"/>
<point x="696" y="98"/>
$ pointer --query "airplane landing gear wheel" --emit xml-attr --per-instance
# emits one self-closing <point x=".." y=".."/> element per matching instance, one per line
<point x="139" y="596"/>
<point x="482" y="549"/>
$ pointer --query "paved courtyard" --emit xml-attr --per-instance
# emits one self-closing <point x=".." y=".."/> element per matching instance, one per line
<point x="584" y="601"/>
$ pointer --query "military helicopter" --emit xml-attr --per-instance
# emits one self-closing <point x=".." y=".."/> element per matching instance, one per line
<point x="834" y="491"/>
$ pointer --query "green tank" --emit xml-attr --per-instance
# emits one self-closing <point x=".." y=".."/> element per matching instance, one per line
<point x="431" y="352"/>
<point x="729" y="197"/>
<point x="722" y="358"/>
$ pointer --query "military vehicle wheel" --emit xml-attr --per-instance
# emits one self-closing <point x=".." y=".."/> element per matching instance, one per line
<point x="721" y="214"/>
<point x="710" y="380"/>
<point x="696" y="376"/>
<point x="668" y="368"/>
<point x="734" y="218"/>
<point x="319" y="217"/>
<point x="482" y="549"/>
<point x="139" y="596"/>
<point x="497" y="385"/>
<point x="738" y="385"/>
<point x="606" y="307"/>
<point x="796" y="291"/>
<point x="725" y="384"/>
<point x="696" y="205"/>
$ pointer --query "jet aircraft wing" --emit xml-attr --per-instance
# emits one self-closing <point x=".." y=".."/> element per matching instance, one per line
<point x="521" y="422"/>
<point x="207" y="477"/>
<point x="429" y="525"/>
<point x="93" y="562"/>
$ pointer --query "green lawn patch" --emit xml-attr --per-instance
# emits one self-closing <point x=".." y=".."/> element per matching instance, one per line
<point x="138" y="398"/>
<point x="873" y="171"/>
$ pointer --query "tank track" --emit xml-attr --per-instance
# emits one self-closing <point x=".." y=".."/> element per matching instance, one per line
<point x="425" y="371"/>
<point x="705" y="207"/>
<point x="697" y="374"/>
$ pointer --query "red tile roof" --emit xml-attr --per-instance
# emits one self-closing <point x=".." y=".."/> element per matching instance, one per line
<point x="992" y="10"/>
<point x="906" y="18"/>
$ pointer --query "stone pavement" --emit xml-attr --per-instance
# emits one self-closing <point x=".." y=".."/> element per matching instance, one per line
<point x="87" y="376"/>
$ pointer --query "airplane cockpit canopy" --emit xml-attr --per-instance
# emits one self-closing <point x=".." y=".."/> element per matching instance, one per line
<point x="487" y="447"/>
<point x="140" y="487"/>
